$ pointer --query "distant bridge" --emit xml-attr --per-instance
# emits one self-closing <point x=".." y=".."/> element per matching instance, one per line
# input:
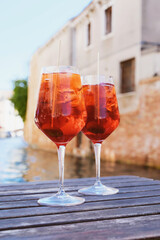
<point x="17" y="130"/>
<point x="13" y="133"/>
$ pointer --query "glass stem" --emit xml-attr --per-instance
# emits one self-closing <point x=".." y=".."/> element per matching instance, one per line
<point x="61" y="153"/>
<point x="97" y="151"/>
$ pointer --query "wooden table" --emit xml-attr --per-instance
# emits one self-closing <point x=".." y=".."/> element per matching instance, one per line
<point x="133" y="213"/>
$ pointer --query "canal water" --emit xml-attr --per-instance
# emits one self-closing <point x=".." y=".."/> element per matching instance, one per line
<point x="19" y="163"/>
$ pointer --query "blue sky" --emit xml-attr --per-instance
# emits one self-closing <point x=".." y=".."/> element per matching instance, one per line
<point x="25" y="25"/>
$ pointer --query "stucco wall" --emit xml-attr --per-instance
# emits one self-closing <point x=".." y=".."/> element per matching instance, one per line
<point x="121" y="44"/>
<point x="150" y="21"/>
<point x="151" y="59"/>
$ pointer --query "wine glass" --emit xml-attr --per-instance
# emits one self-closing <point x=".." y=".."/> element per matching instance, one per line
<point x="102" y="119"/>
<point x="60" y="115"/>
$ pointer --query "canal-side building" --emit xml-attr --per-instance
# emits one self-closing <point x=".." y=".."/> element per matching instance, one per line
<point x="126" y="35"/>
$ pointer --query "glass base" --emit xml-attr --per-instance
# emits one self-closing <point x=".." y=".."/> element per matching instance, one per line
<point x="98" y="189"/>
<point x="61" y="199"/>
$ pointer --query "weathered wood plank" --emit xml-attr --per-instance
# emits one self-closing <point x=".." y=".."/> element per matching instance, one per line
<point x="98" y="218"/>
<point x="33" y="203"/>
<point x="73" y="180"/>
<point x="68" y="188"/>
<point x="71" y="183"/>
<point x="69" y="218"/>
<point x="124" y="228"/>
<point x="88" y="206"/>
<point x="74" y="191"/>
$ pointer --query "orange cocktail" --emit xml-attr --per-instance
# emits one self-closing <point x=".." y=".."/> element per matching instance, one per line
<point x="60" y="111"/>
<point x="102" y="111"/>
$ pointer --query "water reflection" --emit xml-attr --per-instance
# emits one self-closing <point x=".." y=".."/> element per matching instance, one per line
<point x="19" y="163"/>
<point x="44" y="166"/>
<point x="13" y="164"/>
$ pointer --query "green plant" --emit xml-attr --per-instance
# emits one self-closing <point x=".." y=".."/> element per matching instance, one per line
<point x="19" y="97"/>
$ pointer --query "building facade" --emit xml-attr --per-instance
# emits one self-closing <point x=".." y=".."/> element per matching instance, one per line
<point x="126" y="35"/>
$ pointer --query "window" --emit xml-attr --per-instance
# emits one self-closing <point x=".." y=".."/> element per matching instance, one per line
<point x="128" y="75"/>
<point x="108" y="20"/>
<point x="88" y="34"/>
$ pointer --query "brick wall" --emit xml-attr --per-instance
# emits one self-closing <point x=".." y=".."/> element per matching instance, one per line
<point x="137" y="139"/>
